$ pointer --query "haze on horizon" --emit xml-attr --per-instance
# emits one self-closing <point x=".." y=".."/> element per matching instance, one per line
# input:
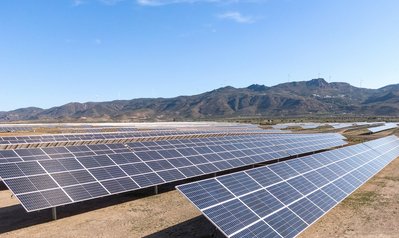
<point x="55" y="52"/>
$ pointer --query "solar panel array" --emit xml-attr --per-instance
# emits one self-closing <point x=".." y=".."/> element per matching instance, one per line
<point x="309" y="125"/>
<point x="50" y="177"/>
<point x="280" y="126"/>
<point x="276" y="131"/>
<point x="341" y="125"/>
<point x="345" y="125"/>
<point x="312" y="125"/>
<point x="11" y="142"/>
<point x="283" y="199"/>
<point x="99" y="129"/>
<point x="386" y="126"/>
<point x="96" y="136"/>
<point x="126" y="127"/>
<point x="14" y="128"/>
<point x="283" y="141"/>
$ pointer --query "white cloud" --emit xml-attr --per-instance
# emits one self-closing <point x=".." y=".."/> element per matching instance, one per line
<point x="68" y="41"/>
<point x="153" y="3"/>
<point x="77" y="3"/>
<point x="110" y="2"/>
<point x="237" y="17"/>
<point x="98" y="41"/>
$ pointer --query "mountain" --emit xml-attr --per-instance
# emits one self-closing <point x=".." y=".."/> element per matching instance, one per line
<point x="315" y="97"/>
<point x="19" y="114"/>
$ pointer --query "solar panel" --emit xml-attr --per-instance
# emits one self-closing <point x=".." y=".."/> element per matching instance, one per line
<point x="15" y="128"/>
<point x="341" y="125"/>
<point x="101" y="174"/>
<point x="386" y="126"/>
<point x="273" y="203"/>
<point x="99" y="129"/>
<point x="280" y="126"/>
<point x="311" y="125"/>
<point x="185" y="147"/>
<point x="13" y="142"/>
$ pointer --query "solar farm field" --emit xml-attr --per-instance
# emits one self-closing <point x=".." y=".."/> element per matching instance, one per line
<point x="370" y="211"/>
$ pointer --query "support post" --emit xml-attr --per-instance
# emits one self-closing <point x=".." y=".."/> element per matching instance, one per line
<point x="156" y="189"/>
<point x="54" y="213"/>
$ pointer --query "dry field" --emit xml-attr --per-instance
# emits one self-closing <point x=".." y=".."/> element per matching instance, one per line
<point x="371" y="211"/>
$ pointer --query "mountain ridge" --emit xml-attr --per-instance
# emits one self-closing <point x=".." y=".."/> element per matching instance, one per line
<point x="313" y="97"/>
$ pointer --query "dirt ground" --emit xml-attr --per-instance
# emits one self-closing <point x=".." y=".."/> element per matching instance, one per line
<point x="128" y="215"/>
<point x="371" y="211"/>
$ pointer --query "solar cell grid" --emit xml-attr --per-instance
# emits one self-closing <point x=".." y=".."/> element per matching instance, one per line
<point x="386" y="126"/>
<point x="286" y="223"/>
<point x="261" y="202"/>
<point x="15" y="128"/>
<point x="86" y="151"/>
<point x="306" y="196"/>
<point x="85" y="138"/>
<point x="115" y="173"/>
<point x="258" y="230"/>
<point x="231" y="216"/>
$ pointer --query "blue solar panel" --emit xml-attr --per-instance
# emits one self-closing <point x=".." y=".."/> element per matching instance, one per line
<point x="306" y="210"/>
<point x="286" y="223"/>
<point x="284" y="192"/>
<point x="264" y="176"/>
<point x="386" y="126"/>
<point x="288" y="203"/>
<point x="262" y="202"/>
<point x="77" y="193"/>
<point x="231" y="216"/>
<point x="120" y="135"/>
<point x="258" y="230"/>
<point x="100" y="167"/>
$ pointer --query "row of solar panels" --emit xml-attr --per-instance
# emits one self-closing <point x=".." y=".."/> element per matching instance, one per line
<point x="101" y="136"/>
<point x="87" y="128"/>
<point x="236" y="142"/>
<point x="14" y="128"/>
<point x="311" y="125"/>
<point x="45" y="183"/>
<point x="82" y="128"/>
<point x="130" y="129"/>
<point x="283" y="199"/>
<point x="111" y="137"/>
<point x="101" y="129"/>
<point x="386" y="126"/>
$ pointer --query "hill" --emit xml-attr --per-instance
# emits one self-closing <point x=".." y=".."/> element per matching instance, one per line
<point x="315" y="97"/>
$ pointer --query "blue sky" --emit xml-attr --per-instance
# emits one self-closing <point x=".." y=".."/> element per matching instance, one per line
<point x="54" y="52"/>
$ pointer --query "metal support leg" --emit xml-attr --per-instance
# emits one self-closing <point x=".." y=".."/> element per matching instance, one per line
<point x="54" y="213"/>
<point x="156" y="189"/>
